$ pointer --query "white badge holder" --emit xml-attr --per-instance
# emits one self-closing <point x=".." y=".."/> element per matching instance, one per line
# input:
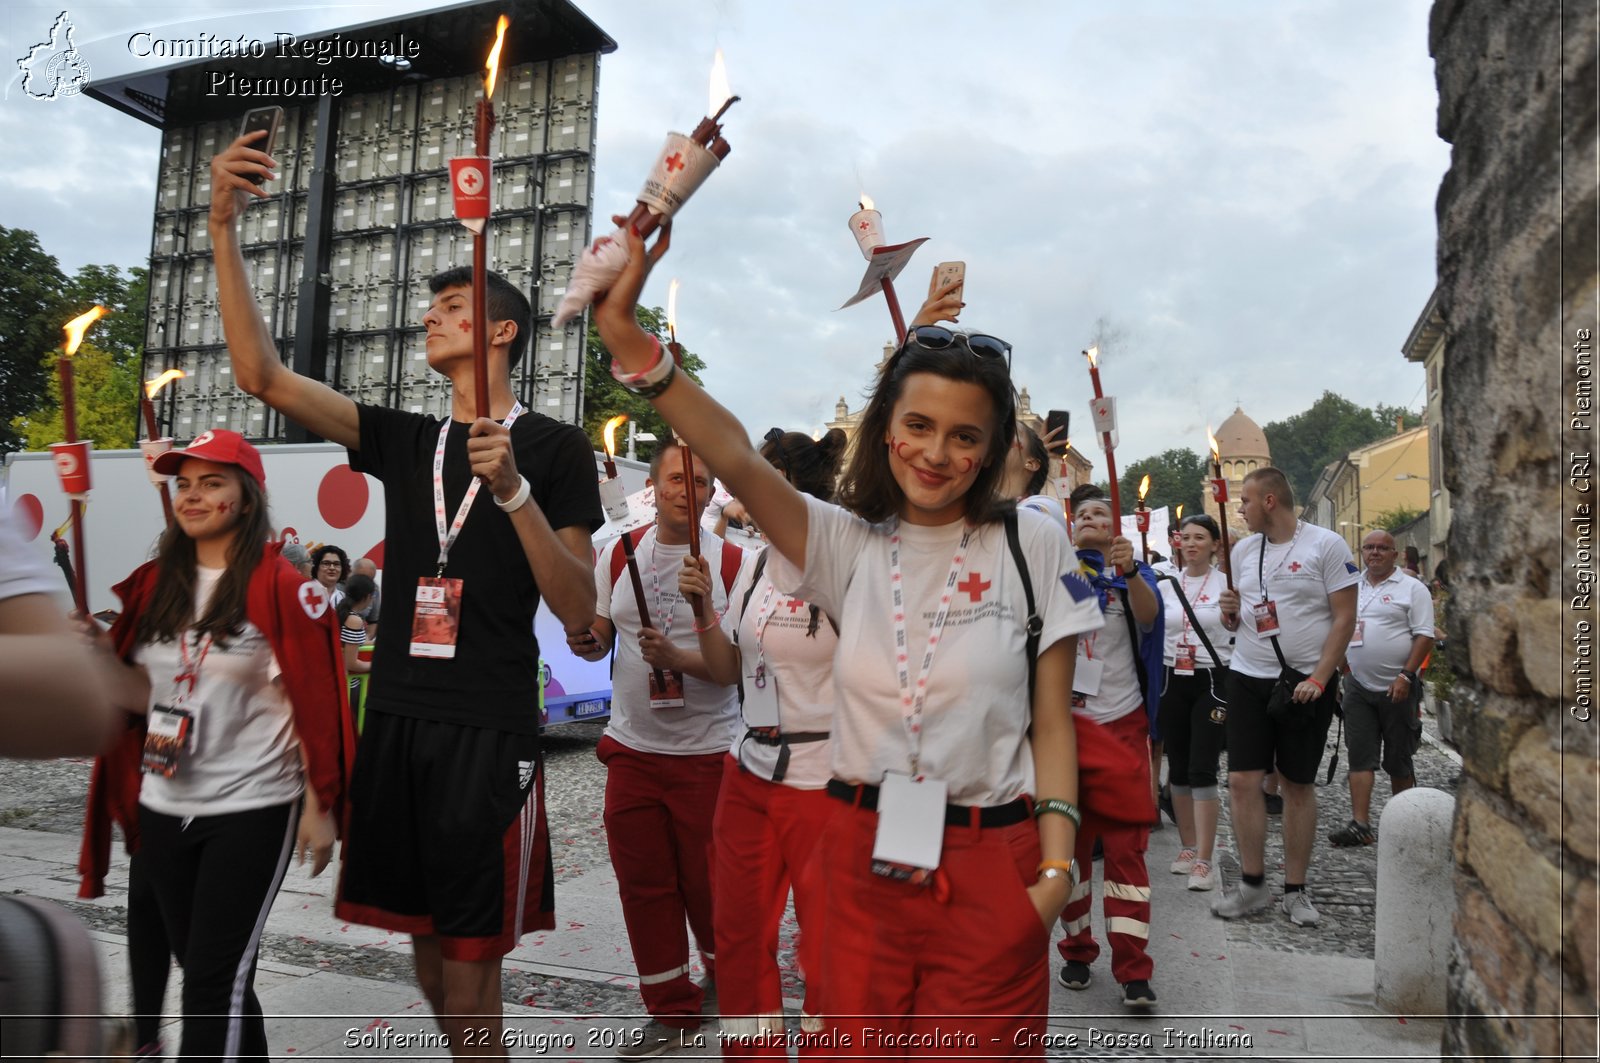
<point x="760" y="699"/>
<point x="910" y="821"/>
<point x="1086" y="673"/>
<point x="1355" y="636"/>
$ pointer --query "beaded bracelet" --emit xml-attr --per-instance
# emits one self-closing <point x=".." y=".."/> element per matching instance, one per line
<point x="1061" y="808"/>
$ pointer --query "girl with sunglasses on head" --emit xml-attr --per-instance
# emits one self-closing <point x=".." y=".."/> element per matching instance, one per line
<point x="230" y="665"/>
<point x="1192" y="710"/>
<point x="771" y="807"/>
<point x="938" y="881"/>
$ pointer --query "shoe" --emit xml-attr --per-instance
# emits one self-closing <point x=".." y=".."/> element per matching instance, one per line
<point x="1184" y="862"/>
<point x="1298" y="907"/>
<point x="1353" y="834"/>
<point x="1202" y="876"/>
<point x="1274" y="804"/>
<point x="1164" y="802"/>
<point x="708" y="1001"/>
<point x="1139" y="995"/>
<point x="1241" y="900"/>
<point x="1074" y="975"/>
<point x="656" y="1037"/>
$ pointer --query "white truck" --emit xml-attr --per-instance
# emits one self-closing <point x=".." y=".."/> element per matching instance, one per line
<point x="315" y="498"/>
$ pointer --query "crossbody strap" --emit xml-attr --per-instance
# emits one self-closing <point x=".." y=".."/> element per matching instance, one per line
<point x="1035" y="623"/>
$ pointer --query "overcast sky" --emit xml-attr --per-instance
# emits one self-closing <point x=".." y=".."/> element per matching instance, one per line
<point x="1242" y="189"/>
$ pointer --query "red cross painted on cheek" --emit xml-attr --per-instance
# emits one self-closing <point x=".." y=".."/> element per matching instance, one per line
<point x="967" y="464"/>
<point x="225" y="508"/>
<point x="899" y="448"/>
<point x="464" y="326"/>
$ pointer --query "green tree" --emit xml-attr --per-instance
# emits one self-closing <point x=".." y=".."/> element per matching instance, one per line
<point x="604" y="398"/>
<point x="1393" y="519"/>
<point x="30" y="289"/>
<point x="1331" y="428"/>
<point x="108" y="402"/>
<point x="1175" y="475"/>
<point x="126" y="296"/>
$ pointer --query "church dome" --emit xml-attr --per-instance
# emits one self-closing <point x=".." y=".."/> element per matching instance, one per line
<point x="1240" y="437"/>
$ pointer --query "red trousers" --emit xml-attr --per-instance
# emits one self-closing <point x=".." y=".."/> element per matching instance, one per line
<point x="765" y="834"/>
<point x="955" y="969"/>
<point x="658" y="817"/>
<point x="1126" y="885"/>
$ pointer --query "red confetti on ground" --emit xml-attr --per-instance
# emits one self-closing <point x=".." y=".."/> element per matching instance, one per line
<point x="1280" y="1033"/>
<point x="1222" y="957"/>
<point x="1233" y="1026"/>
<point x="1404" y="1023"/>
<point x="1196" y="955"/>
<point x="1178" y="937"/>
<point x="378" y="1024"/>
<point x="289" y="1049"/>
<point x="574" y="926"/>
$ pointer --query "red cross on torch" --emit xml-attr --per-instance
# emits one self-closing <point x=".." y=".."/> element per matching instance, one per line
<point x="1219" y="491"/>
<point x="483" y="126"/>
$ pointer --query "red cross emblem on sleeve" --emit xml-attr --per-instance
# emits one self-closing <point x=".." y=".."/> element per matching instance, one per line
<point x="313" y="600"/>
<point x="974" y="586"/>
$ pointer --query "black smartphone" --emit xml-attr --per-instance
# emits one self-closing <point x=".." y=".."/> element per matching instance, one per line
<point x="1057" y="419"/>
<point x="267" y="118"/>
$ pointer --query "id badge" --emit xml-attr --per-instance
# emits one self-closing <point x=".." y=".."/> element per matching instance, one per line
<point x="910" y="821"/>
<point x="1355" y="637"/>
<point x="1266" y="614"/>
<point x="166" y="734"/>
<point x="1183" y="660"/>
<point x="761" y="698"/>
<point x="1086" y="674"/>
<point x="669" y="696"/>
<point x="437" y="618"/>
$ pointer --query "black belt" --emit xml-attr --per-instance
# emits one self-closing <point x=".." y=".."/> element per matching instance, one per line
<point x="863" y="796"/>
<point x="781" y="739"/>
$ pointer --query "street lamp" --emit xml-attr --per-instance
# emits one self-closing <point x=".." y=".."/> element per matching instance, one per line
<point x="636" y="436"/>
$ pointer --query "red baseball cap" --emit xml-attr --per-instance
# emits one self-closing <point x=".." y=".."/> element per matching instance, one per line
<point x="218" y="445"/>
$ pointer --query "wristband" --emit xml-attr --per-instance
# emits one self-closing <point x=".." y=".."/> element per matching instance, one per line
<point x="653" y="380"/>
<point x="1057" y="865"/>
<point x="1320" y="688"/>
<point x="715" y="620"/>
<point x="1045" y="805"/>
<point x="518" y="500"/>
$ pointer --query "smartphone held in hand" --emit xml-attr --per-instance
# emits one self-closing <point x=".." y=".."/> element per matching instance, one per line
<point x="256" y="120"/>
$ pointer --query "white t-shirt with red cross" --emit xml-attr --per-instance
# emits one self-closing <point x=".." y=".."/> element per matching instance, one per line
<point x="802" y="666"/>
<point x="1202" y="593"/>
<point x="975" y="720"/>
<point x="245" y="753"/>
<point x="705" y="722"/>
<point x="1389" y="616"/>
<point x="1299" y="573"/>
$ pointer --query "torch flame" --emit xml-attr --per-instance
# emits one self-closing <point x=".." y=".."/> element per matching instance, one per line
<point x="1216" y="451"/>
<point x="672" y="310"/>
<point x="1144" y="487"/>
<point x="153" y="386"/>
<point x="720" y="91"/>
<point x="866" y="202"/>
<point x="1180" y="511"/>
<point x="1093" y="354"/>
<point x="79" y="325"/>
<point x="610" y="433"/>
<point x="491" y="65"/>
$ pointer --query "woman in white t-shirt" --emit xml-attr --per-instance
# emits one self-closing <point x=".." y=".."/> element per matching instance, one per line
<point x="232" y="744"/>
<point x="1192" y="709"/>
<point x="771" y="807"/>
<point x="938" y="884"/>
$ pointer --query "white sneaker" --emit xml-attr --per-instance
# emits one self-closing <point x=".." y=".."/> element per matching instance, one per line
<point x="1185" y="862"/>
<point x="1241" y="900"/>
<point x="1203" y="876"/>
<point x="654" y="1038"/>
<point x="1298" y="907"/>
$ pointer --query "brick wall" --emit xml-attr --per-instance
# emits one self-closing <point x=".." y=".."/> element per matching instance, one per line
<point x="1517" y="274"/>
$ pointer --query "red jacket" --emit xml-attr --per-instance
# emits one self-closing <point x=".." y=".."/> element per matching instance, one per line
<point x="313" y="676"/>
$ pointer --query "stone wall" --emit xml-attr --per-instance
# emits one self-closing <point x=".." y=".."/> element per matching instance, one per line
<point x="1517" y="275"/>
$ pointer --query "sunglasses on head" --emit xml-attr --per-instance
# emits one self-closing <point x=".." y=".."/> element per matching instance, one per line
<point x="775" y="437"/>
<point x="938" y="338"/>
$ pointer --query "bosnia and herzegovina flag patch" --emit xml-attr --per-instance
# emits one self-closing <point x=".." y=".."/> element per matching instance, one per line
<point x="1077" y="586"/>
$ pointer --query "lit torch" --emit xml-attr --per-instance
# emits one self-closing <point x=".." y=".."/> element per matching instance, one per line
<point x="1104" y="412"/>
<point x="155" y="444"/>
<point x="866" y="225"/>
<point x="72" y="456"/>
<point x="1141" y="518"/>
<point x="610" y="434"/>
<point x="483" y="127"/>
<point x="1175" y="537"/>
<point x="612" y="498"/>
<point x="685" y="454"/>
<point x="1219" y="491"/>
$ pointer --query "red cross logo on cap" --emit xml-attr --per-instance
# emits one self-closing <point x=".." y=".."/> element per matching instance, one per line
<point x="313" y="600"/>
<point x="974" y="586"/>
<point x="674" y="162"/>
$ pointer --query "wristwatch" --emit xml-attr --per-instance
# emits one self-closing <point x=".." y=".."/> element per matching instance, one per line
<point x="1410" y="677"/>
<point x="1070" y="875"/>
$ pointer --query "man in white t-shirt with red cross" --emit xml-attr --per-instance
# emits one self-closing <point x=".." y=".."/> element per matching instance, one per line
<point x="663" y="749"/>
<point x="1294" y="607"/>
<point x="1382" y="694"/>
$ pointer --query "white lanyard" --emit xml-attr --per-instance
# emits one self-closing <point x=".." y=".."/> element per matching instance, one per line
<point x="763" y="614"/>
<point x="911" y="703"/>
<point x="447" y="536"/>
<point x="664" y="615"/>
<point x="1369" y="594"/>
<point x="1183" y="581"/>
<point x="1261" y="561"/>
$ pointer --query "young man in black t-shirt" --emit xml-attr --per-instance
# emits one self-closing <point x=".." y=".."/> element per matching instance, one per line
<point x="447" y="838"/>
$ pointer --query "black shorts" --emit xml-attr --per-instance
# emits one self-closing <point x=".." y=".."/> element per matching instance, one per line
<point x="1371" y="719"/>
<point x="1293" y="742"/>
<point x="447" y="836"/>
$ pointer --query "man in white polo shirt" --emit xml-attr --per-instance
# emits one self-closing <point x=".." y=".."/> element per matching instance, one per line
<point x="1382" y="696"/>
<point x="1294" y="607"/>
